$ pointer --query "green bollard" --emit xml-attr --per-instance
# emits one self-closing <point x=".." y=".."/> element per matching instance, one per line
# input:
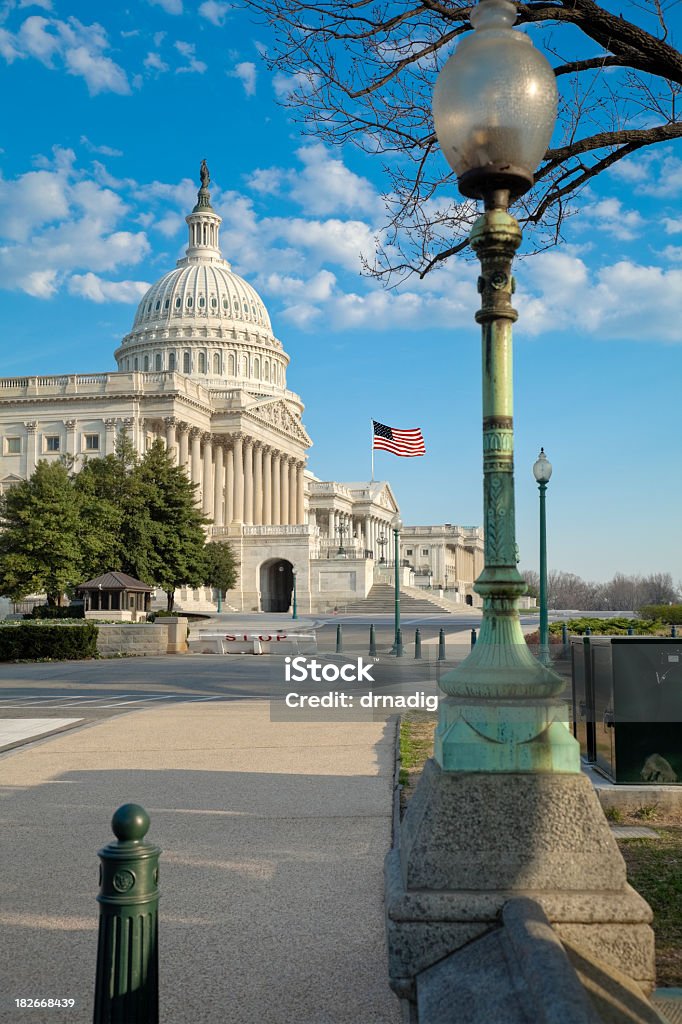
<point x="127" y="978"/>
<point x="564" y="636"/>
<point x="631" y="631"/>
<point x="399" y="644"/>
<point x="441" y="645"/>
<point x="339" y="639"/>
<point x="673" y="630"/>
<point x="417" y="645"/>
<point x="473" y="637"/>
<point x="372" y="643"/>
<point x="588" y="631"/>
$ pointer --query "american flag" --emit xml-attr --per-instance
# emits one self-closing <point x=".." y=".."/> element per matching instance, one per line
<point x="407" y="443"/>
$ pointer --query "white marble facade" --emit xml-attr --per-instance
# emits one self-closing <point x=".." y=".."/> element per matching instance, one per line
<point x="202" y="369"/>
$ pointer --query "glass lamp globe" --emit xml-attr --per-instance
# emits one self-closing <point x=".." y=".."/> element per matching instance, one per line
<point x="542" y="469"/>
<point x="494" y="105"/>
<point x="397" y="523"/>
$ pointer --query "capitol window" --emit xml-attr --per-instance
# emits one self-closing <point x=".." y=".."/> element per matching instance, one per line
<point x="178" y="302"/>
<point x="136" y="363"/>
<point x="216" y="362"/>
<point x="202" y="301"/>
<point x="91" y="442"/>
<point x="202" y="362"/>
<point x="51" y="443"/>
<point x="166" y="304"/>
<point x="171" y="361"/>
<point x="190" y="301"/>
<point x="225" y="304"/>
<point x="158" y="362"/>
<point x="146" y="363"/>
<point x="187" y="362"/>
<point x="214" y="302"/>
<point x="12" y="446"/>
<point x="158" y="305"/>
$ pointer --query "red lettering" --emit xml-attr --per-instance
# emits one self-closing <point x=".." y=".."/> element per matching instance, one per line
<point x="281" y="636"/>
<point x="228" y="637"/>
<point x="265" y="638"/>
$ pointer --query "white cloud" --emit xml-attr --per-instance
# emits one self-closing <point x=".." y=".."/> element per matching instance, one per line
<point x="97" y="289"/>
<point x="169" y="6"/>
<point x="45" y="4"/>
<point x="608" y="215"/>
<point x="657" y="172"/>
<point x="80" y="48"/>
<point x="673" y="253"/>
<point x="266" y="181"/>
<point x="158" y="38"/>
<point x="8" y="46"/>
<point x="154" y="61"/>
<point x="327" y="186"/>
<point x="33" y="200"/>
<point x="40" y="283"/>
<point x="169" y="224"/>
<point x="246" y="73"/>
<point x="336" y="241"/>
<point x="672" y="225"/>
<point x="285" y="85"/>
<point x="102" y="150"/>
<point x="214" y="11"/>
<point x="188" y="51"/>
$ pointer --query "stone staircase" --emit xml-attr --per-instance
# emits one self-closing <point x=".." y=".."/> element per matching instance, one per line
<point x="381" y="601"/>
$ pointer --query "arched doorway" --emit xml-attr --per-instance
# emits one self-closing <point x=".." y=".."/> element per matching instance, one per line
<point x="276" y="585"/>
<point x="469" y="599"/>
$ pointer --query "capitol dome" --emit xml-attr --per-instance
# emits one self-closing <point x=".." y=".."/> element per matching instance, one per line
<point x="203" y="320"/>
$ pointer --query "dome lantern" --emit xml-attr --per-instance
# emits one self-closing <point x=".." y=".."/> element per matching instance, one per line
<point x="203" y="223"/>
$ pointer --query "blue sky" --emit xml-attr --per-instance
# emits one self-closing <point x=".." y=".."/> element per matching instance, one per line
<point x="107" y="116"/>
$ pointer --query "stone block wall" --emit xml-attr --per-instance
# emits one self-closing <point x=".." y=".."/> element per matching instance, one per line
<point x="120" y="638"/>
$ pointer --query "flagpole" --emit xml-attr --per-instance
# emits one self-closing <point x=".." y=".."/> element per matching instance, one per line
<point x="371" y="423"/>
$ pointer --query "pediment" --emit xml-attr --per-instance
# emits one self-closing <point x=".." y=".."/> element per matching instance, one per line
<point x="277" y="415"/>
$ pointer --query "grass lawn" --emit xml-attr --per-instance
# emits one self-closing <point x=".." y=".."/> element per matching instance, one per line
<point x="654" y="865"/>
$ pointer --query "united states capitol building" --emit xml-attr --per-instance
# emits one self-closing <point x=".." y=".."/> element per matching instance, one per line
<point x="202" y="369"/>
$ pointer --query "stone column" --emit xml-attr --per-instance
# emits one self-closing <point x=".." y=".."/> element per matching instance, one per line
<point x="366" y="534"/>
<point x="195" y="469"/>
<point x="71" y="436"/>
<point x="129" y="425"/>
<point x="284" y="485"/>
<point x="207" y="490"/>
<point x="330" y="524"/>
<point x="293" y="495"/>
<point x="300" y="493"/>
<point x="257" y="483"/>
<point x="267" y="484"/>
<point x="109" y="436"/>
<point x="276" y="496"/>
<point x="229" y="486"/>
<point x="248" y="480"/>
<point x="31" y="453"/>
<point x="170" y="423"/>
<point x="218" y="483"/>
<point x="238" y="508"/>
<point x="184" y="446"/>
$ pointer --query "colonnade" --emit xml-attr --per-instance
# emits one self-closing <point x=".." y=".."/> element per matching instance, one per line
<point x="357" y="531"/>
<point x="241" y="479"/>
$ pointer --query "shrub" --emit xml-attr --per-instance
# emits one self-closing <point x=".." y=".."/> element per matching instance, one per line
<point x="30" y="641"/>
<point x="668" y="613"/>
<point x="53" y="611"/>
<point x="607" y="627"/>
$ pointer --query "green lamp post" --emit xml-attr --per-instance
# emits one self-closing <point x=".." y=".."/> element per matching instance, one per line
<point x="396" y="526"/>
<point x="494" y="108"/>
<point x="542" y="471"/>
<point x="294" y="610"/>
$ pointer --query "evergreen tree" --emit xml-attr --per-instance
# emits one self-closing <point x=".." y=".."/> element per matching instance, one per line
<point x="42" y="536"/>
<point x="163" y="530"/>
<point x="221" y="567"/>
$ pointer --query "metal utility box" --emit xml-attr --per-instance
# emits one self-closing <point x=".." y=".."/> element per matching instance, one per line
<point x="631" y="689"/>
<point x="583" y="697"/>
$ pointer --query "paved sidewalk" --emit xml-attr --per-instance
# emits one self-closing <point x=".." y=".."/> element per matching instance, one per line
<point x="273" y="838"/>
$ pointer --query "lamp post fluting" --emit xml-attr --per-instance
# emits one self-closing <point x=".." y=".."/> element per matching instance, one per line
<point x="494" y="109"/>
<point x="396" y="526"/>
<point x="542" y="471"/>
<point x="294" y="609"/>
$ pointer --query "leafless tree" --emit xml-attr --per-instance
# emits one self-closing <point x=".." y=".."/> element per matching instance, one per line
<point x="363" y="73"/>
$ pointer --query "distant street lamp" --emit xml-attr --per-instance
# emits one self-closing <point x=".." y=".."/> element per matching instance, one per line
<point x="396" y="526"/>
<point x="494" y="108"/>
<point x="341" y="530"/>
<point x="381" y="541"/>
<point x="542" y="471"/>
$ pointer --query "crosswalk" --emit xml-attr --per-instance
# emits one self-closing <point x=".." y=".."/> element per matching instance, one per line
<point x="64" y="701"/>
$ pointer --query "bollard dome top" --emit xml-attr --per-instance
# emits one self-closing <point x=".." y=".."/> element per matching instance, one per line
<point x="130" y="823"/>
